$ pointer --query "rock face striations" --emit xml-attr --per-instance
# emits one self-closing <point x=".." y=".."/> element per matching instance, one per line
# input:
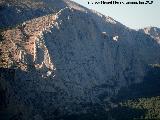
<point x="66" y="56"/>
<point x="154" y="32"/>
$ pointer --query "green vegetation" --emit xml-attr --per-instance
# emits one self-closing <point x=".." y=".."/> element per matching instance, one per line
<point x="150" y="106"/>
<point x="140" y="101"/>
<point x="146" y="89"/>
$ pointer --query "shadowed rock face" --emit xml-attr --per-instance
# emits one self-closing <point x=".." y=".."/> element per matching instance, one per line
<point x="14" y="12"/>
<point x="68" y="55"/>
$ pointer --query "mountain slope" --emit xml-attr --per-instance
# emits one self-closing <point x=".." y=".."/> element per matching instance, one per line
<point x="68" y="56"/>
<point x="154" y="32"/>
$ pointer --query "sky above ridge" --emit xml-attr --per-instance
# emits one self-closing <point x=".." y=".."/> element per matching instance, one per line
<point x="133" y="16"/>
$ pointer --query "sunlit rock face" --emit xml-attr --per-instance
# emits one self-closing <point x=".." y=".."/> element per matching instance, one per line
<point x="154" y="32"/>
<point x="66" y="55"/>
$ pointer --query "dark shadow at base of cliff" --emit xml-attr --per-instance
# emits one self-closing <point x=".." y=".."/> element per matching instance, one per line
<point x="146" y="89"/>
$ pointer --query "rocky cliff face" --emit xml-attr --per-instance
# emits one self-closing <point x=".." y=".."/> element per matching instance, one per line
<point x="66" y="56"/>
<point x="154" y="32"/>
